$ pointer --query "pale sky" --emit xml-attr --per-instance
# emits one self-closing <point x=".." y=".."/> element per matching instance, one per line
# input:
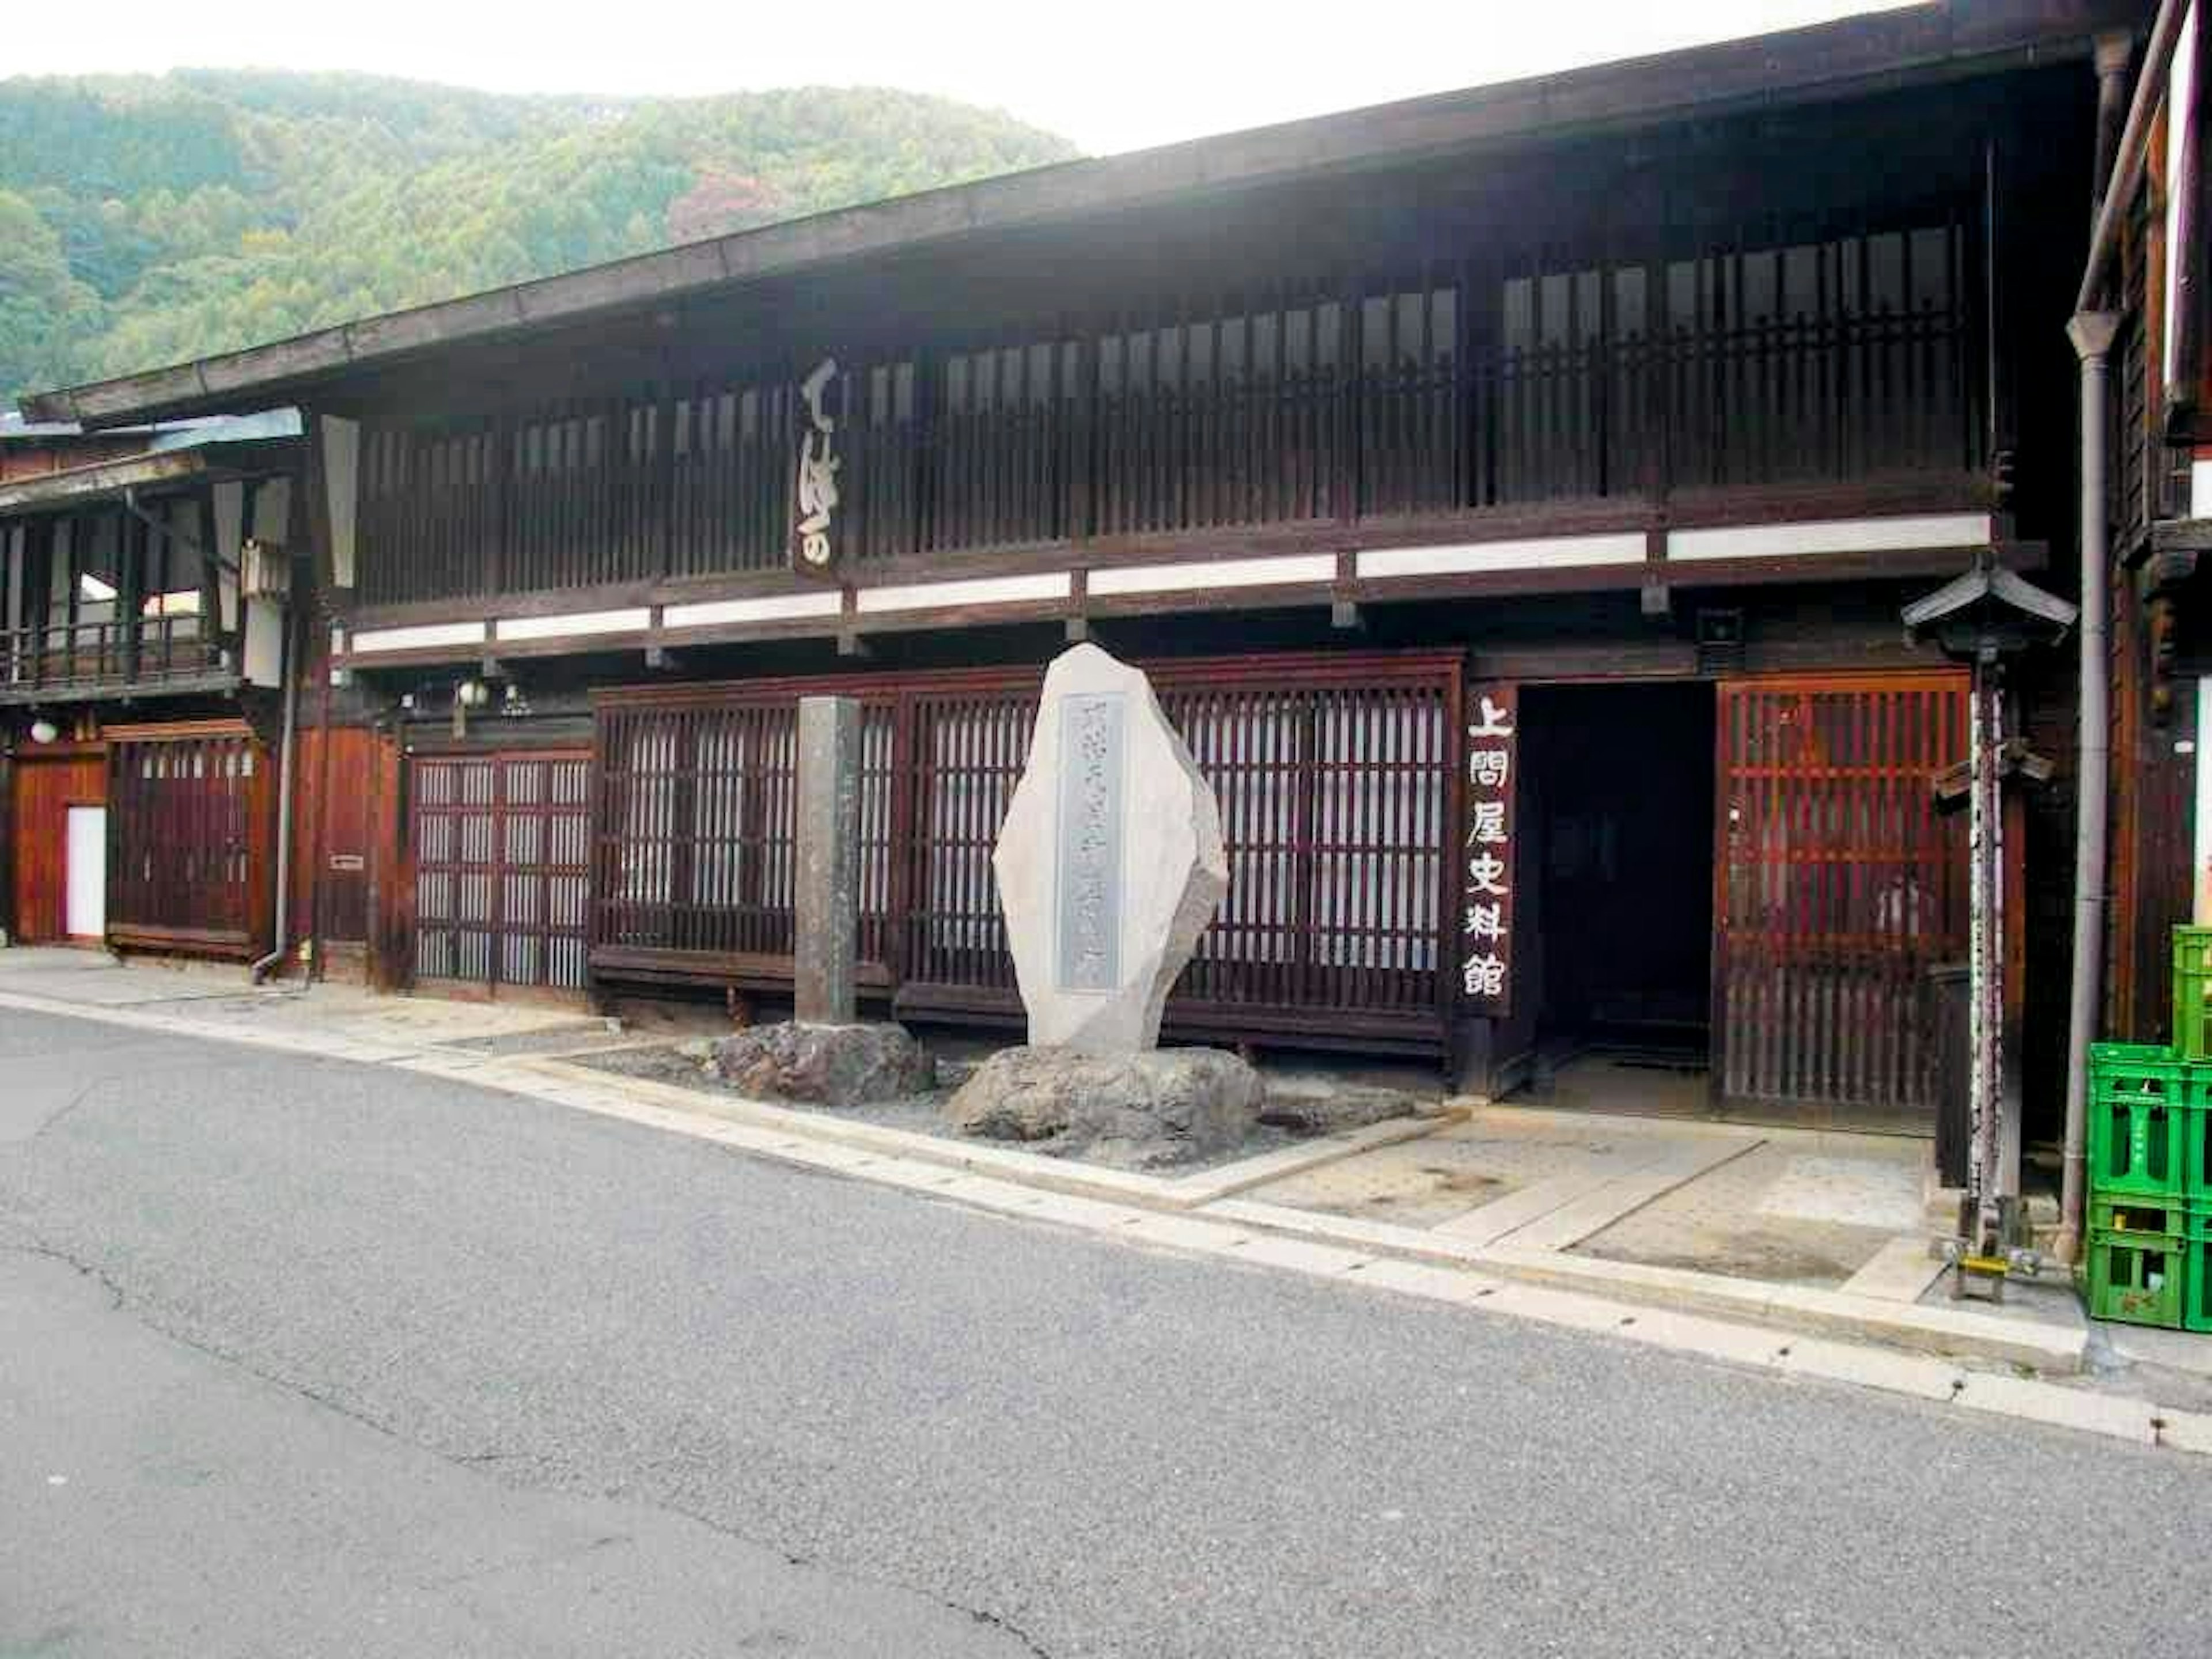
<point x="1112" y="77"/>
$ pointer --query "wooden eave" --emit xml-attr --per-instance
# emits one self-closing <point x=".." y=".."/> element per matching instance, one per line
<point x="51" y="492"/>
<point x="1853" y="57"/>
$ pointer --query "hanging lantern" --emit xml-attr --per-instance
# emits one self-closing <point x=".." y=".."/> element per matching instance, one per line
<point x="264" y="571"/>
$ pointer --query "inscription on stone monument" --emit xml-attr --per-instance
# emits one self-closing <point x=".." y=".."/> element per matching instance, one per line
<point x="1090" y="837"/>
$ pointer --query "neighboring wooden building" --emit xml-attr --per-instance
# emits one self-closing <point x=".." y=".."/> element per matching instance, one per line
<point x="1514" y="493"/>
<point x="145" y="596"/>
<point x="2160" y="512"/>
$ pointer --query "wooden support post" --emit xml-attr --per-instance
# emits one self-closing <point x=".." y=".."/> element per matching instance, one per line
<point x="10" y="922"/>
<point x="828" y="833"/>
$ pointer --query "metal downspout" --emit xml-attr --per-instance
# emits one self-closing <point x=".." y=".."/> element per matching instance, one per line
<point x="2092" y="333"/>
<point x="280" y="931"/>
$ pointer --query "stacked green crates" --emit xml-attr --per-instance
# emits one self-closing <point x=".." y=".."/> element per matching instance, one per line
<point x="2192" y="1042"/>
<point x="2150" y="1161"/>
<point x="2141" y="1101"/>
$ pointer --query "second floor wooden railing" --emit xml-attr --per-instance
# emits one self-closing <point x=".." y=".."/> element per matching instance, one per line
<point x="1452" y="389"/>
<point x="64" y="656"/>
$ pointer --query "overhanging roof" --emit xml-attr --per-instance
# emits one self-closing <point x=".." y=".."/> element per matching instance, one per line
<point x="50" y="490"/>
<point x="1857" y="54"/>
<point x="184" y="451"/>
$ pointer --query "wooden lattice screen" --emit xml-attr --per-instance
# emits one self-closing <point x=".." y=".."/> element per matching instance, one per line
<point x="1838" y="886"/>
<point x="500" y="845"/>
<point x="1335" y="776"/>
<point x="188" y="837"/>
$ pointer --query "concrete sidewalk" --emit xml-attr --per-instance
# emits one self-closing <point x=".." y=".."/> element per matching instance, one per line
<point x="1789" y="1250"/>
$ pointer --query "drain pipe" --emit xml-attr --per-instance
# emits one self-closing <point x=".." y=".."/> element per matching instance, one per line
<point x="2092" y="333"/>
<point x="280" y="926"/>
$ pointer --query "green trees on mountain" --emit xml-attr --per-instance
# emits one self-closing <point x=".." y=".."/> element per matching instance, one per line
<point x="145" y="220"/>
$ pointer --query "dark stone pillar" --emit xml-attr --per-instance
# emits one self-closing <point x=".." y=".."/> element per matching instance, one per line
<point x="828" y="897"/>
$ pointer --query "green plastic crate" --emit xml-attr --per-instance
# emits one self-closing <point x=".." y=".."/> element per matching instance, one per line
<point x="2196" y="1275"/>
<point x="2192" y="992"/>
<point x="2146" y="1114"/>
<point x="2160" y="1218"/>
<point x="2139" y="1279"/>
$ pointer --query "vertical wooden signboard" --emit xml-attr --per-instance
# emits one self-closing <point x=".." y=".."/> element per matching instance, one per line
<point x="1487" y="863"/>
<point x="814" y="540"/>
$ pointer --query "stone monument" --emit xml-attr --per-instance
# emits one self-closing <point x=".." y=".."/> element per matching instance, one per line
<point x="1109" y="866"/>
<point x="824" y="1054"/>
<point x="1110" y="863"/>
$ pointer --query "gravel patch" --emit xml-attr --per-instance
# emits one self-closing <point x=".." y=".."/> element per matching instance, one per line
<point x="680" y="1064"/>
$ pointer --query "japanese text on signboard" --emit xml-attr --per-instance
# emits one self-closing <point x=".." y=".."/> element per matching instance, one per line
<point x="1487" y="874"/>
<point x="814" y="491"/>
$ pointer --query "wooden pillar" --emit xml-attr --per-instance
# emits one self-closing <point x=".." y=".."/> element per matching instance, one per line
<point x="10" y="924"/>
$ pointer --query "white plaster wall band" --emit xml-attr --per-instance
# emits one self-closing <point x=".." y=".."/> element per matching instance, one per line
<point x="979" y="590"/>
<point x="417" y="638"/>
<point x="1184" y="577"/>
<point x="1883" y="535"/>
<point x="576" y="623"/>
<point x="1540" y="553"/>
<point x="772" y="607"/>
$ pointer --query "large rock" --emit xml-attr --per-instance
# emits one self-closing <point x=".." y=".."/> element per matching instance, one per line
<point x="1110" y="863"/>
<point x="1309" y="1104"/>
<point x="824" y="1065"/>
<point x="1163" y="1106"/>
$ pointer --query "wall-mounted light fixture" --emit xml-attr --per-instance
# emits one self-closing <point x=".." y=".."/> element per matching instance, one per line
<point x="44" y="731"/>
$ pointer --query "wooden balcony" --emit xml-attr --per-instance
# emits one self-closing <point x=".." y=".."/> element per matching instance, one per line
<point x="112" y="660"/>
<point x="1841" y="376"/>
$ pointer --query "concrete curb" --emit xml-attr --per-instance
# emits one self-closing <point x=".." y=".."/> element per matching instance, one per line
<point x="1671" y="1309"/>
<point x="1960" y="1334"/>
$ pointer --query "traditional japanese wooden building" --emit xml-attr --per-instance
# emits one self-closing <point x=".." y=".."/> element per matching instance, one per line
<point x="147" y="633"/>
<point x="1513" y="494"/>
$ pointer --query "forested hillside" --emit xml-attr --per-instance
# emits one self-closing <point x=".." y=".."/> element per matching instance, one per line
<point x="145" y="220"/>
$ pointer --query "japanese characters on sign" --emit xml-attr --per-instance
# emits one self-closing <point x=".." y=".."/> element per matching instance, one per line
<point x="1486" y="865"/>
<point x="814" y="493"/>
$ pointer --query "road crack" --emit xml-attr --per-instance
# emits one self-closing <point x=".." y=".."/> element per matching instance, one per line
<point x="479" y="1463"/>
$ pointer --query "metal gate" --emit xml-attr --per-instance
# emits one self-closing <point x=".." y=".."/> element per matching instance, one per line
<point x="500" y="845"/>
<point x="1837" y="886"/>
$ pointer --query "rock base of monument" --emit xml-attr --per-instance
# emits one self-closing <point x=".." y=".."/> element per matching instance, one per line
<point x="1140" y="1111"/>
<point x="1308" y="1106"/>
<point x="823" y="1065"/>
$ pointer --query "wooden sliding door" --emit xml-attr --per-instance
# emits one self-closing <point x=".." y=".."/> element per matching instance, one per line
<point x="501" y="844"/>
<point x="191" y="832"/>
<point x="1837" y="886"/>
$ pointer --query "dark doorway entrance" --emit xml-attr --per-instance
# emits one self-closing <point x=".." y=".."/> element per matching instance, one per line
<point x="1618" y="785"/>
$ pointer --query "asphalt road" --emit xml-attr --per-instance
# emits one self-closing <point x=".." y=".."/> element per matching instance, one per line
<point x="300" y="1358"/>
